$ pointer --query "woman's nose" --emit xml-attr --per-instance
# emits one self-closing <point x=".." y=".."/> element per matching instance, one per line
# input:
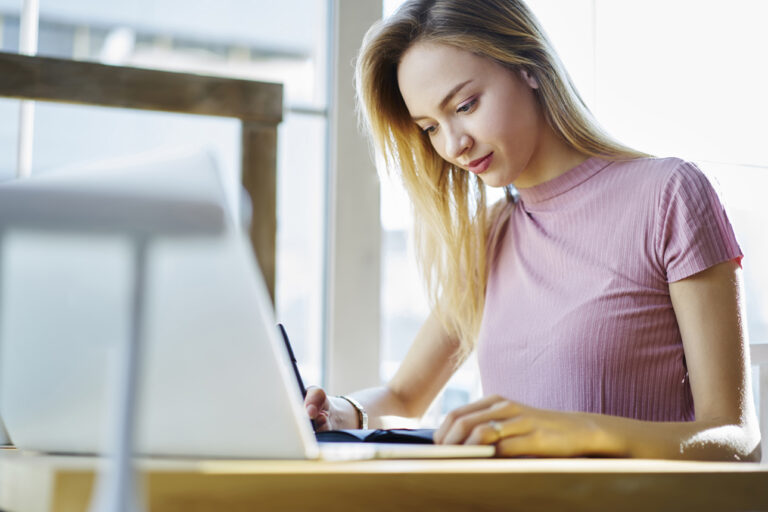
<point x="457" y="144"/>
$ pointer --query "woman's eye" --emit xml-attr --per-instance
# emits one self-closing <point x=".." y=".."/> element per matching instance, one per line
<point x="429" y="130"/>
<point x="466" y="107"/>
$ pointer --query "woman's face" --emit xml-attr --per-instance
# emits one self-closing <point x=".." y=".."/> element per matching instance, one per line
<point x="479" y="115"/>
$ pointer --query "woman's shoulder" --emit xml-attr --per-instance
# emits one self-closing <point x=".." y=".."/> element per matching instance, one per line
<point x="661" y="167"/>
<point x="653" y="164"/>
<point x="674" y="187"/>
<point x="662" y="174"/>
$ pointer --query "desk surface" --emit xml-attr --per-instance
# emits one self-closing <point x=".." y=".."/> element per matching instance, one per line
<point x="34" y="483"/>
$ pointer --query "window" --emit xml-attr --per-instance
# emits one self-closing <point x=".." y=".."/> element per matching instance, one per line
<point x="259" y="39"/>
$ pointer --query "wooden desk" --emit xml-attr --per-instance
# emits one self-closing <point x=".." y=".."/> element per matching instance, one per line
<point x="35" y="483"/>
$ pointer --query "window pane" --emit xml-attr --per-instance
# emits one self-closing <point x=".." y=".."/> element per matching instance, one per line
<point x="569" y="25"/>
<point x="9" y="109"/>
<point x="301" y="238"/>
<point x="9" y="128"/>
<point x="671" y="86"/>
<point x="9" y="29"/>
<point x="282" y="42"/>
<point x="258" y="39"/>
<point x="68" y="135"/>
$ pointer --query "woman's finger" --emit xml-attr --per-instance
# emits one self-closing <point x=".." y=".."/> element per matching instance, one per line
<point x="317" y="405"/>
<point x="492" y="431"/>
<point x="483" y="433"/>
<point x="487" y="426"/>
<point x="321" y="422"/>
<point x="460" y="412"/>
<point x="315" y="395"/>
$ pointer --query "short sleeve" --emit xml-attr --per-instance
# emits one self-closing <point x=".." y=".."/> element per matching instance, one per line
<point x="694" y="232"/>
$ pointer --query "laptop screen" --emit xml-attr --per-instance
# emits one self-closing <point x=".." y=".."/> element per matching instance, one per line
<point x="215" y="381"/>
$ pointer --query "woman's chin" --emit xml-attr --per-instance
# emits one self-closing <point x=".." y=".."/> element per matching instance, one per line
<point x="494" y="181"/>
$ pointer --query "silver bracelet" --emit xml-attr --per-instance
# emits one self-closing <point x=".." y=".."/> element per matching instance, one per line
<point x="362" y="416"/>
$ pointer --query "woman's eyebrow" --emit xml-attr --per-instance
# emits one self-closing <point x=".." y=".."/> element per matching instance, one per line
<point x="447" y="97"/>
<point x="452" y="93"/>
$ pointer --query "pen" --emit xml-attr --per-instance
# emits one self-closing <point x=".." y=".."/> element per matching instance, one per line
<point x="295" y="366"/>
<point x="293" y="360"/>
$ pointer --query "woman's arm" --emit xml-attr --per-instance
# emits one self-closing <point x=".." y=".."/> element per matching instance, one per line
<point x="422" y="374"/>
<point x="709" y="308"/>
<point x="429" y="364"/>
<point x="711" y="315"/>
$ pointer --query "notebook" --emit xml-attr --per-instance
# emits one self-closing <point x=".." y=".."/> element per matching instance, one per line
<point x="216" y="381"/>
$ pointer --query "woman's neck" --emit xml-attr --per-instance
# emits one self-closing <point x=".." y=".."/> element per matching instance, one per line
<point x="552" y="158"/>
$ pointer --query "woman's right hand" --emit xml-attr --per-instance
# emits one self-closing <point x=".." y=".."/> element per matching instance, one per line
<point x="321" y="409"/>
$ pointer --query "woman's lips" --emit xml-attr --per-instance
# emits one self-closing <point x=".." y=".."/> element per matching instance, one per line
<point x="481" y="164"/>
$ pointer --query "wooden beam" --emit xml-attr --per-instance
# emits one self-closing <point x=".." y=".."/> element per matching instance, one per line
<point x="259" y="177"/>
<point x="63" y="80"/>
<point x="258" y="105"/>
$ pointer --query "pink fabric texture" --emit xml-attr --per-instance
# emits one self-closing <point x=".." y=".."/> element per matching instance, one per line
<point x="578" y="315"/>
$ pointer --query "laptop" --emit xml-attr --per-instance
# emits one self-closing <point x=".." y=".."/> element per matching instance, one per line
<point x="216" y="381"/>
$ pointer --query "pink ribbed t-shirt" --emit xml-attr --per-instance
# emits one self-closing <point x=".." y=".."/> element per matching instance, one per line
<point x="578" y="315"/>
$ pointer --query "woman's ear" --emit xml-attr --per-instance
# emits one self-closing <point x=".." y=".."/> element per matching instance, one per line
<point x="529" y="79"/>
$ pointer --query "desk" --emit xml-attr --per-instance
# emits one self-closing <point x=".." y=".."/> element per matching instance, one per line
<point x="38" y="483"/>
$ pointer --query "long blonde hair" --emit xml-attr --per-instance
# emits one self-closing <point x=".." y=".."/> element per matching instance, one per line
<point x="451" y="217"/>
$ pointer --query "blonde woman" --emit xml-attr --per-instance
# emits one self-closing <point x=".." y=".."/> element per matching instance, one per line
<point x="604" y="297"/>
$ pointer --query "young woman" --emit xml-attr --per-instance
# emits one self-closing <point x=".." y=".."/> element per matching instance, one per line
<point x="603" y="296"/>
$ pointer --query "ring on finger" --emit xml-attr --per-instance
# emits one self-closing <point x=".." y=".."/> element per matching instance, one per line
<point x="496" y="426"/>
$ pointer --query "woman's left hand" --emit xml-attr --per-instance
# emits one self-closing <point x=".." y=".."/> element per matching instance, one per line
<point x="518" y="430"/>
